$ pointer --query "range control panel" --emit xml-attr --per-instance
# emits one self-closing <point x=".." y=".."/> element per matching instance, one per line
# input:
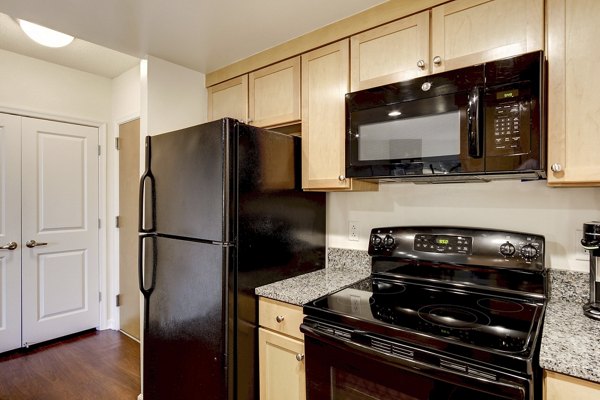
<point x="460" y="245"/>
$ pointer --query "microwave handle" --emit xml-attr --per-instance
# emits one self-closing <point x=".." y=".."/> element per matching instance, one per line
<point x="474" y="122"/>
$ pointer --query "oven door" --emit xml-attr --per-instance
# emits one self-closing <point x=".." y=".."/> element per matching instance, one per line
<point x="341" y="369"/>
<point x="425" y="126"/>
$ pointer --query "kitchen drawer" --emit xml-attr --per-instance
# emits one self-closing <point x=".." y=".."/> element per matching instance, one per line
<point x="289" y="317"/>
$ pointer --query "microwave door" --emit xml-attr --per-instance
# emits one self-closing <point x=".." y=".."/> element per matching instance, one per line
<point x="430" y="136"/>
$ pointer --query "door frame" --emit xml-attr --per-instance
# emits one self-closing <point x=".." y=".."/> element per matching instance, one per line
<point x="103" y="286"/>
<point x="114" y="233"/>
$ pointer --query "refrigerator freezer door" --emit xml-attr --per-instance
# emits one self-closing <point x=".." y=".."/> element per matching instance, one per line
<point x="185" y="327"/>
<point x="192" y="181"/>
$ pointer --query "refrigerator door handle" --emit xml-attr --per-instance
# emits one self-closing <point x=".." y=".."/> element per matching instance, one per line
<point x="147" y="176"/>
<point x="141" y="257"/>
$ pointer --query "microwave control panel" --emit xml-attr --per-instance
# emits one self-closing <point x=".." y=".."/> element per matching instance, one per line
<point x="507" y="122"/>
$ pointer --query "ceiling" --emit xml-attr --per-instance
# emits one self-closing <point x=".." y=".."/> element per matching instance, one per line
<point x="203" y="35"/>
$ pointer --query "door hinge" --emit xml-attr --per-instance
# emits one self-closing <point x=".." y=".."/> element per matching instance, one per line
<point x="99" y="297"/>
<point x="118" y="221"/>
<point x="99" y="223"/>
<point x="99" y="150"/>
<point x="117" y="143"/>
<point x="118" y="300"/>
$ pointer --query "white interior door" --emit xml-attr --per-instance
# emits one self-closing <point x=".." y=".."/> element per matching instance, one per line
<point x="10" y="232"/>
<point x="60" y="213"/>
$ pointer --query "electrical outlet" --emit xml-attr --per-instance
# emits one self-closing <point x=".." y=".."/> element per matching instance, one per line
<point x="353" y="231"/>
<point x="581" y="254"/>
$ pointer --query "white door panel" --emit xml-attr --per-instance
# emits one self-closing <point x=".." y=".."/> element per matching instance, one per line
<point x="10" y="231"/>
<point x="60" y="209"/>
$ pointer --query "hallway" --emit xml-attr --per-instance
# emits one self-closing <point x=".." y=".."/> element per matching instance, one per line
<point x="95" y="365"/>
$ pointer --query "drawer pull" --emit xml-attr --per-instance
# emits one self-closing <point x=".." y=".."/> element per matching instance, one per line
<point x="299" y="357"/>
<point x="279" y="318"/>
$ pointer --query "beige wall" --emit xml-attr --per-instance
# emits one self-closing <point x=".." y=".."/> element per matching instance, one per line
<point x="556" y="213"/>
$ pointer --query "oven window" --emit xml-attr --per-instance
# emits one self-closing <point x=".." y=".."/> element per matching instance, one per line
<point x="427" y="136"/>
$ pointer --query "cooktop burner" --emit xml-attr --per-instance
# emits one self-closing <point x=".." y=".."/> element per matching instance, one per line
<point x="469" y="317"/>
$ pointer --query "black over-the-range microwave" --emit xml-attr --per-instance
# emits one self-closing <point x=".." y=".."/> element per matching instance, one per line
<point x="477" y="123"/>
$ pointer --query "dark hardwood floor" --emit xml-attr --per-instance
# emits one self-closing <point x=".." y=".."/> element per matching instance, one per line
<point x="96" y="365"/>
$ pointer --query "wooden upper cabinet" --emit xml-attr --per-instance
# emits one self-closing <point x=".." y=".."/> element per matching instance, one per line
<point x="274" y="94"/>
<point x="467" y="32"/>
<point x="229" y="99"/>
<point x="325" y="82"/>
<point x="573" y="86"/>
<point x="390" y="53"/>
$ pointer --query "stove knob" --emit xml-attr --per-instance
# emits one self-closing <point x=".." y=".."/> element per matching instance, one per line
<point x="507" y="249"/>
<point x="529" y="252"/>
<point x="376" y="240"/>
<point x="388" y="241"/>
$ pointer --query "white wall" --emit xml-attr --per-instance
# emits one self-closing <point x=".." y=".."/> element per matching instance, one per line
<point x="175" y="97"/>
<point x="39" y="87"/>
<point x="556" y="213"/>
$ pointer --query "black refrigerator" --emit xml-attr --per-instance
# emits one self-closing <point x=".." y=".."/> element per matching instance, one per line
<point x="222" y="212"/>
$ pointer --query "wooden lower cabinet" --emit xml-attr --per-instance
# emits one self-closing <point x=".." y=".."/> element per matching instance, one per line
<point x="281" y="351"/>
<point x="281" y="370"/>
<point x="563" y="387"/>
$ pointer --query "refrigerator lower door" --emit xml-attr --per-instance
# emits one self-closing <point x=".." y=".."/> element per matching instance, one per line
<point x="186" y="320"/>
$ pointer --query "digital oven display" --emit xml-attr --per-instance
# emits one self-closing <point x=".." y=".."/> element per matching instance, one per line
<point x="446" y="244"/>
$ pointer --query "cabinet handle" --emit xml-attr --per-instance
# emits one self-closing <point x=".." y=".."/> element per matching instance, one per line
<point x="342" y="178"/>
<point x="556" y="167"/>
<point x="421" y="64"/>
<point x="279" y="318"/>
<point x="249" y="121"/>
<point x="437" y="60"/>
<point x="299" y="357"/>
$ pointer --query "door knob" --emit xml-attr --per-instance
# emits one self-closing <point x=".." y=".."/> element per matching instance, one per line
<point x="279" y="318"/>
<point x="299" y="357"/>
<point x="9" y="246"/>
<point x="32" y="243"/>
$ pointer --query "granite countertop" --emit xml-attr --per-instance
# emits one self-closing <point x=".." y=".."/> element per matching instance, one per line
<point x="345" y="267"/>
<point x="570" y="340"/>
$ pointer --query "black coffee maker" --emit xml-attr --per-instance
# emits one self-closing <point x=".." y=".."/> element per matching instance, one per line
<point x="591" y="242"/>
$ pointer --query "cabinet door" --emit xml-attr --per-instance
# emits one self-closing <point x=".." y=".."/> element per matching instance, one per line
<point x="274" y="94"/>
<point x="325" y="76"/>
<point x="281" y="361"/>
<point x="467" y="32"/>
<point x="229" y="99"/>
<point x="573" y="85"/>
<point x="390" y="53"/>
<point x="10" y="232"/>
<point x="559" y="386"/>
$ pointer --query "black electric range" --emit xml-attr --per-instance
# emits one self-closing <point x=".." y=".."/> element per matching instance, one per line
<point x="461" y="309"/>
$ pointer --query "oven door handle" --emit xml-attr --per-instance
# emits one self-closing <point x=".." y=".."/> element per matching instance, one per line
<point x="504" y="389"/>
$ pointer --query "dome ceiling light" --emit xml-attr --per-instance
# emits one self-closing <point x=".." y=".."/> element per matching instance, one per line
<point x="45" y="36"/>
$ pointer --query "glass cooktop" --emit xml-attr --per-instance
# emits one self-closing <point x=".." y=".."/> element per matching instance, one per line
<point x="482" y="319"/>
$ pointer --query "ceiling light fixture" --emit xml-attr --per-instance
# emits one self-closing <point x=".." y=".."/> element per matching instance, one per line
<point x="45" y="36"/>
